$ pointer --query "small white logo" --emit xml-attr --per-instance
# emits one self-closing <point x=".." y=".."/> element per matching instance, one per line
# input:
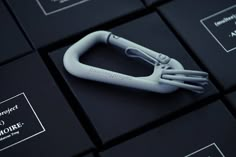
<point x="18" y="121"/>
<point x="221" y="27"/>
<point x="211" y="150"/>
<point x="54" y="6"/>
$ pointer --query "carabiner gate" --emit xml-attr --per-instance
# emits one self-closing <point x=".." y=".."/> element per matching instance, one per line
<point x="168" y="74"/>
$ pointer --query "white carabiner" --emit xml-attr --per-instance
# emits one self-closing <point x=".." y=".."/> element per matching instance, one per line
<point x="168" y="74"/>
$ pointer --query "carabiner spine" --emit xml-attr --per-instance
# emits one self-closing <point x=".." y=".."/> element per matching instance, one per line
<point x="105" y="76"/>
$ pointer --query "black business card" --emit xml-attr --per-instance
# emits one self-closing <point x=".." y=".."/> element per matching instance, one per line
<point x="15" y="126"/>
<point x="35" y="118"/>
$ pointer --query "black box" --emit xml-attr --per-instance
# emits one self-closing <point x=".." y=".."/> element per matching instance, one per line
<point x="47" y="21"/>
<point x="115" y="111"/>
<point x="35" y="119"/>
<point x="206" y="132"/>
<point x="208" y="28"/>
<point x="13" y="44"/>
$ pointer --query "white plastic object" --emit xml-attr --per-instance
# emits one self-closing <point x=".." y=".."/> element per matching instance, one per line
<point x="168" y="74"/>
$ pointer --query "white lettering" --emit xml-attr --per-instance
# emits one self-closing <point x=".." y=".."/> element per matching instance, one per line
<point x="9" y="110"/>
<point x="10" y="129"/>
<point x="225" y="20"/>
